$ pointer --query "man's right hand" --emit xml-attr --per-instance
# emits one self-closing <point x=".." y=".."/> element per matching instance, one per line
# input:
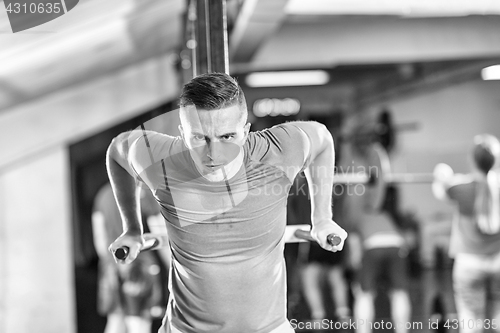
<point x="133" y="241"/>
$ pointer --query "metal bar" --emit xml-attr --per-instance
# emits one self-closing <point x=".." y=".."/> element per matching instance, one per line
<point x="351" y="178"/>
<point x="217" y="27"/>
<point x="393" y="178"/>
<point x="291" y="237"/>
<point x="409" y="178"/>
<point x="190" y="39"/>
<point x="149" y="244"/>
<point x="331" y="239"/>
<point x="296" y="233"/>
<point x="202" y="38"/>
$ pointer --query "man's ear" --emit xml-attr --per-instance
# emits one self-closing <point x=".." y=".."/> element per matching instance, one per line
<point x="247" y="129"/>
<point x="181" y="130"/>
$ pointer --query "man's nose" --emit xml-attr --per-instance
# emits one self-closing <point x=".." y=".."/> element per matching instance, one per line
<point x="213" y="149"/>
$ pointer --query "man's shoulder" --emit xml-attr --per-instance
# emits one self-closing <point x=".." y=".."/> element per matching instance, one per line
<point x="153" y="142"/>
<point x="285" y="131"/>
<point x="150" y="137"/>
<point x="152" y="147"/>
<point x="279" y="137"/>
<point x="281" y="146"/>
<point x="291" y="128"/>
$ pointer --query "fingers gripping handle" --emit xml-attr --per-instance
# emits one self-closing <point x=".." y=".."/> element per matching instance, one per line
<point x="332" y="239"/>
<point x="122" y="252"/>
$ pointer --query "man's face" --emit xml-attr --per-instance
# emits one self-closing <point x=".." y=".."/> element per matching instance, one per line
<point x="214" y="137"/>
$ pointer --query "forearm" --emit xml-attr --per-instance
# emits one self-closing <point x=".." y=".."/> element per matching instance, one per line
<point x="125" y="188"/>
<point x="320" y="175"/>
<point x="319" y="153"/>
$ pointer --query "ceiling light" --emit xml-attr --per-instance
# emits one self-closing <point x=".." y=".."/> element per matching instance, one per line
<point x="422" y="8"/>
<point x="287" y="79"/>
<point x="491" y="73"/>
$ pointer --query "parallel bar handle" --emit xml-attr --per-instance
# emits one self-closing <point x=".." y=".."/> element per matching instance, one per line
<point x="332" y="239"/>
<point x="122" y="252"/>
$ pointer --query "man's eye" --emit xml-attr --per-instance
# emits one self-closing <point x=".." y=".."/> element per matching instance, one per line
<point x="227" y="137"/>
<point x="199" y="137"/>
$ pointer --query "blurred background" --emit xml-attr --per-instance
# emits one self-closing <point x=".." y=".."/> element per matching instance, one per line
<point x="68" y="86"/>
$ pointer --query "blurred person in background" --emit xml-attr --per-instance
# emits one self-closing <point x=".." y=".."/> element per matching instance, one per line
<point x="475" y="236"/>
<point x="322" y="273"/>
<point x="130" y="296"/>
<point x="379" y="254"/>
<point x="318" y="265"/>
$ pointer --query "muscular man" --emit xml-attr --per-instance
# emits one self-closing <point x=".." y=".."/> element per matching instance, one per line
<point x="223" y="193"/>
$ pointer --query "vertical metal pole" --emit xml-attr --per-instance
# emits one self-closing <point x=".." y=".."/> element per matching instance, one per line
<point x="202" y="37"/>
<point x="188" y="56"/>
<point x="210" y="53"/>
<point x="219" y="55"/>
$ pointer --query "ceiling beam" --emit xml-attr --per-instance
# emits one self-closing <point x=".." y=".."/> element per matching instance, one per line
<point x="256" y="22"/>
<point x="89" y="51"/>
<point x="432" y="77"/>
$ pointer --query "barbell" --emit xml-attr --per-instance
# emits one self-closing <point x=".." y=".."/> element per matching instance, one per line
<point x="383" y="131"/>
<point x="379" y="176"/>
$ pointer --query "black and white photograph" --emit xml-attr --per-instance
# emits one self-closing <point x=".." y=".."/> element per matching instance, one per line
<point x="249" y="166"/>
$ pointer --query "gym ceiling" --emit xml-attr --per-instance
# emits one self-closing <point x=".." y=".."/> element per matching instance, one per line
<point x="399" y="38"/>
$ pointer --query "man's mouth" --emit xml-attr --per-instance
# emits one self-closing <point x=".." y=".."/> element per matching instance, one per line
<point x="213" y="166"/>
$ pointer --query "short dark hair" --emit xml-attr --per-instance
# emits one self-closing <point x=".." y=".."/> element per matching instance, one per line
<point x="212" y="91"/>
<point x="483" y="158"/>
<point x="485" y="152"/>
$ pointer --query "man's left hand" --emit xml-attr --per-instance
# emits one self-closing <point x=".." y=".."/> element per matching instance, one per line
<point x="322" y="229"/>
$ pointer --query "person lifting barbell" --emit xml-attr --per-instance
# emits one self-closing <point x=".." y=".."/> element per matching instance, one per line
<point x="475" y="235"/>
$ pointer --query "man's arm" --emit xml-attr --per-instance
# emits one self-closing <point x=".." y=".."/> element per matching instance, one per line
<point x="319" y="150"/>
<point x="127" y="194"/>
